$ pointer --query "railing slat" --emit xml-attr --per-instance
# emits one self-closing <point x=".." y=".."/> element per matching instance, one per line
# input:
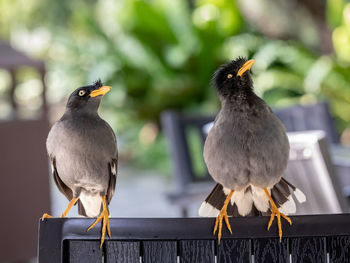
<point x="308" y="249"/>
<point x="197" y="251"/>
<point x="159" y="251"/>
<point x="122" y="251"/>
<point x="83" y="251"/>
<point x="234" y="250"/>
<point x="270" y="250"/>
<point x="339" y="249"/>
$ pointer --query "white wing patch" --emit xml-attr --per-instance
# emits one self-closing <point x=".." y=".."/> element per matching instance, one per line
<point x="52" y="167"/>
<point x="113" y="168"/>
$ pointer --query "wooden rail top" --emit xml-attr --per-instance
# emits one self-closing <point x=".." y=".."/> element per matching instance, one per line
<point x="312" y="238"/>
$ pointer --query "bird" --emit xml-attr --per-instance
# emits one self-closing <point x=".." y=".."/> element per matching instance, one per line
<point x="246" y="153"/>
<point x="82" y="149"/>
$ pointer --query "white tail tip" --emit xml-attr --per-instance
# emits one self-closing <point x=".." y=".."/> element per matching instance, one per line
<point x="289" y="206"/>
<point x="300" y="196"/>
<point x="207" y="210"/>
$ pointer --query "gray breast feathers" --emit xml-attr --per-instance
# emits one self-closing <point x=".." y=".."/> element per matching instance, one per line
<point x="243" y="149"/>
<point x="85" y="155"/>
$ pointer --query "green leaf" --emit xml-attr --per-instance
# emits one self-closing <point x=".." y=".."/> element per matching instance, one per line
<point x="334" y="12"/>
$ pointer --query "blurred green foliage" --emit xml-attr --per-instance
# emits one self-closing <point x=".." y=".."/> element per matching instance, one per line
<point x="341" y="34"/>
<point x="160" y="54"/>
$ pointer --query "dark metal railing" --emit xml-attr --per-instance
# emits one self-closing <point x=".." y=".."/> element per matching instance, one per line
<point x="314" y="238"/>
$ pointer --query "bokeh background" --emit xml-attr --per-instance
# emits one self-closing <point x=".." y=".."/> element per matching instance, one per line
<point x="161" y="54"/>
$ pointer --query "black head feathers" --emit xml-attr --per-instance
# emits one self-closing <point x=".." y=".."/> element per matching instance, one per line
<point x="98" y="84"/>
<point x="233" y="78"/>
<point x="82" y="99"/>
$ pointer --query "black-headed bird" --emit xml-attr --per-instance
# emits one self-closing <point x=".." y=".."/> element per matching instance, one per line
<point x="246" y="153"/>
<point x="83" y="152"/>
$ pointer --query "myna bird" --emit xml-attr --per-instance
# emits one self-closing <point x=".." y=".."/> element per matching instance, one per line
<point x="83" y="152"/>
<point x="246" y="153"/>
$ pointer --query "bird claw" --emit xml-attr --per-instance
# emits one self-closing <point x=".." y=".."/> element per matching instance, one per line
<point x="276" y="212"/>
<point x="105" y="223"/>
<point x="45" y="215"/>
<point x="218" y="222"/>
<point x="64" y="214"/>
<point x="223" y="215"/>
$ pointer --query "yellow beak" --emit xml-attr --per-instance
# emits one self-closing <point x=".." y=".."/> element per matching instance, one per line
<point x="100" y="92"/>
<point x="246" y="66"/>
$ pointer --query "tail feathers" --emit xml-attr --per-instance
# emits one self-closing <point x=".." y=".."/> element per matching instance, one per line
<point x="240" y="205"/>
<point x="207" y="210"/>
<point x="282" y="197"/>
<point x="299" y="195"/>
<point x="251" y="201"/>
<point x="288" y="207"/>
<point x="213" y="203"/>
<point x="243" y="200"/>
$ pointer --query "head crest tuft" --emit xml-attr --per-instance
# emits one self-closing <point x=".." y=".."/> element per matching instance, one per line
<point x="98" y="83"/>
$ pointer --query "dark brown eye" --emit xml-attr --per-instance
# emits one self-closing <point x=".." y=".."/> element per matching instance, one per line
<point x="229" y="76"/>
<point x="81" y="93"/>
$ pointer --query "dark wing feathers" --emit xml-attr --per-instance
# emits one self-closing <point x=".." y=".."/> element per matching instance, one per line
<point x="113" y="168"/>
<point x="64" y="189"/>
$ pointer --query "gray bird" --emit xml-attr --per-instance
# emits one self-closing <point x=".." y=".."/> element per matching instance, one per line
<point x="246" y="153"/>
<point x="83" y="152"/>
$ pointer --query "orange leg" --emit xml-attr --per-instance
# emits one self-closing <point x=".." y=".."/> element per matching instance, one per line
<point x="223" y="215"/>
<point x="46" y="215"/>
<point x="274" y="211"/>
<point x="69" y="207"/>
<point x="105" y="222"/>
<point x="64" y="214"/>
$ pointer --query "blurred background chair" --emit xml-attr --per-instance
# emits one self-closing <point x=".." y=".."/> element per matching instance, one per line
<point x="24" y="187"/>
<point x="191" y="185"/>
<point x="311" y="169"/>
<point x="311" y="117"/>
<point x="318" y="117"/>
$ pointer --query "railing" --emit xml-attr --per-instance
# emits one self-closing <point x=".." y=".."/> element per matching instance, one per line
<point x="314" y="238"/>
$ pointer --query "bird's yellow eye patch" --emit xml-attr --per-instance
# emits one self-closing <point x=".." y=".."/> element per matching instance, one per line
<point x="229" y="76"/>
<point x="81" y="93"/>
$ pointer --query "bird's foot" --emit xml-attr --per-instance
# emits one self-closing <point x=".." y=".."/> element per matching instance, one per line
<point x="223" y="215"/>
<point x="276" y="212"/>
<point x="64" y="214"/>
<point x="105" y="223"/>
<point x="45" y="215"/>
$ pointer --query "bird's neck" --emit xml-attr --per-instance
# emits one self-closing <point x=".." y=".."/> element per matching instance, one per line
<point x="79" y="114"/>
<point x="241" y="96"/>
